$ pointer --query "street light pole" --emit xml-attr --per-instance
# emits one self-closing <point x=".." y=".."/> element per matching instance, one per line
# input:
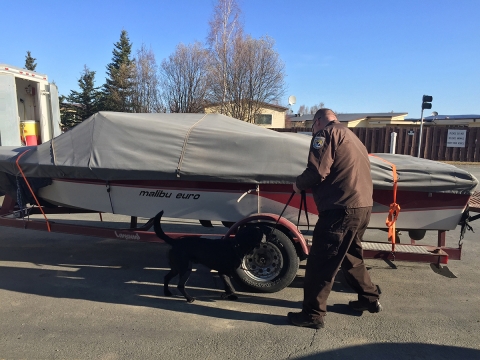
<point x="421" y="131"/>
<point x="426" y="104"/>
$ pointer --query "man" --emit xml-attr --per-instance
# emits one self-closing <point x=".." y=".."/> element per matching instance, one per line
<point x="338" y="172"/>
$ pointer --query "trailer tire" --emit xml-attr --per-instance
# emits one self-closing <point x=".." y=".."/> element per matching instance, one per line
<point x="272" y="266"/>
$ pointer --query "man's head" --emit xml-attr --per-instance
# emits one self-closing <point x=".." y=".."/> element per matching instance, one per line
<point x="322" y="118"/>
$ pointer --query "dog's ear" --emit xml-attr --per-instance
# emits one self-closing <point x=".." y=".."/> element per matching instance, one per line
<point x="251" y="234"/>
<point x="269" y="237"/>
<point x="258" y="234"/>
<point x="261" y="234"/>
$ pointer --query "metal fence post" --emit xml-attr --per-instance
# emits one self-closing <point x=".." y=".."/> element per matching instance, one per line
<point x="393" y="142"/>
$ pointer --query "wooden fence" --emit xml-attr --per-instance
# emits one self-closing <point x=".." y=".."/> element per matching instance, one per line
<point x="434" y="141"/>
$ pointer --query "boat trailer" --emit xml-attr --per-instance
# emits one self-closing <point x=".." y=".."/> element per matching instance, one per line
<point x="11" y="216"/>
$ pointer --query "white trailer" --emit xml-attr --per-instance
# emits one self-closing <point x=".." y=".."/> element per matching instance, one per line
<point x="26" y="97"/>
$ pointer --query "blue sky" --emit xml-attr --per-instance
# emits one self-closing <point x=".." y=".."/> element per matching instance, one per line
<point x="354" y="56"/>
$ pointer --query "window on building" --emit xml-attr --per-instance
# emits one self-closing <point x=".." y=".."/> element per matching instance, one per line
<point x="263" y="119"/>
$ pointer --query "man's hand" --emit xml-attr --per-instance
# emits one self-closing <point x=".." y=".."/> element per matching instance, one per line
<point x="296" y="189"/>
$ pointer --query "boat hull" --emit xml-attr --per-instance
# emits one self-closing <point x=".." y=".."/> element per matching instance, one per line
<point x="231" y="202"/>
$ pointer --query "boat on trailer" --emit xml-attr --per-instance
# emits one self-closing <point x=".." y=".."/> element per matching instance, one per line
<point x="214" y="168"/>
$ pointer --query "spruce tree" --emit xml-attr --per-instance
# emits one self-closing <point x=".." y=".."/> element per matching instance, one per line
<point x="80" y="105"/>
<point x="68" y="113"/>
<point x="30" y="63"/>
<point x="119" y="86"/>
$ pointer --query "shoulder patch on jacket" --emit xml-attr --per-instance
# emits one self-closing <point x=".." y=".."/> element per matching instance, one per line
<point x="318" y="142"/>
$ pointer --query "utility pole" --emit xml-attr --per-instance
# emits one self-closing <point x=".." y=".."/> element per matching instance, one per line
<point x="426" y="104"/>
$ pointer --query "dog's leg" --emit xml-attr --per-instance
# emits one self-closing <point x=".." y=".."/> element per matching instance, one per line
<point x="181" y="284"/>
<point x="229" y="289"/>
<point x="166" y="281"/>
<point x="173" y="272"/>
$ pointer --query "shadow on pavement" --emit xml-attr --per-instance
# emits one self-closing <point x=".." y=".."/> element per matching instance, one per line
<point x="117" y="272"/>
<point x="443" y="270"/>
<point x="339" y="285"/>
<point x="123" y="272"/>
<point x="393" y="351"/>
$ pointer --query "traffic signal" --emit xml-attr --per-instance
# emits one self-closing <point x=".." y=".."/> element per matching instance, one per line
<point x="427" y="102"/>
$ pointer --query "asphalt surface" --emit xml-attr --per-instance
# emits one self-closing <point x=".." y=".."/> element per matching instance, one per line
<point x="77" y="297"/>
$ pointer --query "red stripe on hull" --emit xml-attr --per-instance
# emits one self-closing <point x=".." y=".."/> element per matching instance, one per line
<point x="295" y="202"/>
<point x="419" y="200"/>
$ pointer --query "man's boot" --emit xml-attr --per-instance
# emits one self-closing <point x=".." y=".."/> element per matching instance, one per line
<point x="303" y="320"/>
<point x="364" y="304"/>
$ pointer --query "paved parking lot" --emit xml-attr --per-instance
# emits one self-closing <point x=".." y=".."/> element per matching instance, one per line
<point x="76" y="297"/>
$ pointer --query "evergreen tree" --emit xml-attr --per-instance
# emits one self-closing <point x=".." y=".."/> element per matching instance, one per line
<point x="30" y="63"/>
<point x="80" y="105"/>
<point x="68" y="115"/>
<point x="119" y="87"/>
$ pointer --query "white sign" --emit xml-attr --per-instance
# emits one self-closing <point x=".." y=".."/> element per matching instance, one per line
<point x="456" y="138"/>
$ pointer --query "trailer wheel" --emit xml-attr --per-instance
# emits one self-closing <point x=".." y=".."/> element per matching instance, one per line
<point x="271" y="266"/>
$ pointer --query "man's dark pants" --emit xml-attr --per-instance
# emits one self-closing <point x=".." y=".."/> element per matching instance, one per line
<point x="337" y="241"/>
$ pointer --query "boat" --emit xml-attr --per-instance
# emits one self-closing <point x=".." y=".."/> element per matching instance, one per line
<point x="210" y="167"/>
<point x="216" y="168"/>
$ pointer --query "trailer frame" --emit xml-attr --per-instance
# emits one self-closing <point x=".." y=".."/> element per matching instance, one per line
<point x="439" y="254"/>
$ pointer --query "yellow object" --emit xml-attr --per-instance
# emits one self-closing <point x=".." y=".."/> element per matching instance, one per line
<point x="29" y="132"/>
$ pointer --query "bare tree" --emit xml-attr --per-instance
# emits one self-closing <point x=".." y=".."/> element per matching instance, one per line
<point x="255" y="76"/>
<point x="146" y="96"/>
<point x="303" y="109"/>
<point x="245" y="73"/>
<point x="184" y="80"/>
<point x="225" y="28"/>
<point x="315" y="108"/>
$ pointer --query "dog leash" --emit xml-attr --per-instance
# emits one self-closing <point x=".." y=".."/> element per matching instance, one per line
<point x="303" y="204"/>
<point x="304" y="201"/>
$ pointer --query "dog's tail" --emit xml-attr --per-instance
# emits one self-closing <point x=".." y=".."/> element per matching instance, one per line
<point x="158" y="229"/>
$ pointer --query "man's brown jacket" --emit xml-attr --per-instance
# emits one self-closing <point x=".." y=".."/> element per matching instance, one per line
<point x="338" y="170"/>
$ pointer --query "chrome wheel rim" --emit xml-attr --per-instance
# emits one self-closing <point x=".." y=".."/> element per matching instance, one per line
<point x="264" y="263"/>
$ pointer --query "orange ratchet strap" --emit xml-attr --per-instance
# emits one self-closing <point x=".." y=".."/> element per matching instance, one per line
<point x="30" y="188"/>
<point x="394" y="207"/>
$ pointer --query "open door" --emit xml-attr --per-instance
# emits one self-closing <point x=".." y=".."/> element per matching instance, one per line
<point x="55" y="110"/>
<point x="9" y="121"/>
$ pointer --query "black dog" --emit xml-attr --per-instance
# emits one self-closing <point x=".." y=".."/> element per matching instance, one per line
<point x="223" y="255"/>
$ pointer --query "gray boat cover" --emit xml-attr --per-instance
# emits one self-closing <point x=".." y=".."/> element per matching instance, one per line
<point x="201" y="147"/>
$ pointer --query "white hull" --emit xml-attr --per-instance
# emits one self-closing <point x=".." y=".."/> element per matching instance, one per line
<point x="218" y="204"/>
